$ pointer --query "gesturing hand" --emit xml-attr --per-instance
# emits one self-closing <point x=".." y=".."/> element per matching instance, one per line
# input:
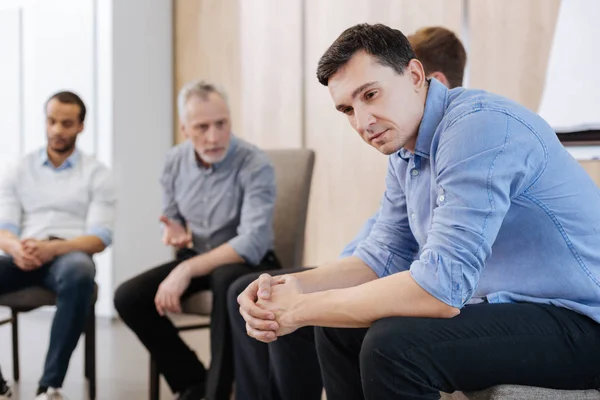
<point x="175" y="234"/>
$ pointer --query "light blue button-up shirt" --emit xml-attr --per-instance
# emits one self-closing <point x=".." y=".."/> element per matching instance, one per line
<point x="489" y="207"/>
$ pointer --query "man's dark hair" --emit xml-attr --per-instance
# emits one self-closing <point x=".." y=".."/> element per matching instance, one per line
<point x="70" y="98"/>
<point x="389" y="46"/>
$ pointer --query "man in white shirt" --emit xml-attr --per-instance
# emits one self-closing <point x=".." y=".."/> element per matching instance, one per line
<point x="56" y="210"/>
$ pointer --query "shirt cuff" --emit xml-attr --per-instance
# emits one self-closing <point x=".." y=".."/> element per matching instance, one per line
<point x="104" y="234"/>
<point x="443" y="279"/>
<point x="12" y="228"/>
<point x="249" y="251"/>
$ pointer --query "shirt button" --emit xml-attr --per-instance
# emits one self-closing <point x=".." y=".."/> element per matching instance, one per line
<point x="414" y="172"/>
<point x="413" y="216"/>
<point x="442" y="198"/>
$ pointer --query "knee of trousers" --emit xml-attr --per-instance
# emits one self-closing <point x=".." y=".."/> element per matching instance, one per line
<point x="237" y="287"/>
<point x="79" y="274"/>
<point x="394" y="346"/>
<point x="129" y="300"/>
<point x="328" y="339"/>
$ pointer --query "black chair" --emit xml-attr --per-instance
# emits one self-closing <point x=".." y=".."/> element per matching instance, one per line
<point x="34" y="297"/>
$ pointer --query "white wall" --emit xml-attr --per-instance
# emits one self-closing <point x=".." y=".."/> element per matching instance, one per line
<point x="571" y="99"/>
<point x="117" y="55"/>
<point x="143" y="126"/>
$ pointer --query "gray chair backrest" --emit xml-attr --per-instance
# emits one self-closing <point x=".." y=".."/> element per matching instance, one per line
<point x="293" y="174"/>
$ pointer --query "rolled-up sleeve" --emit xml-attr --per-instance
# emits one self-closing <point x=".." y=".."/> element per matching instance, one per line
<point x="483" y="161"/>
<point x="10" y="206"/>
<point x="362" y="235"/>
<point x="167" y="182"/>
<point x="101" y="213"/>
<point x="255" y="231"/>
<point x="390" y="246"/>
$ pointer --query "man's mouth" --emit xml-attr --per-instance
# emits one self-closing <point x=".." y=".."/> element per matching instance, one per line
<point x="377" y="135"/>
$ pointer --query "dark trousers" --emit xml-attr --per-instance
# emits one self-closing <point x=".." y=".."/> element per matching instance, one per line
<point x="134" y="300"/>
<point x="486" y="345"/>
<point x="71" y="277"/>
<point x="287" y="369"/>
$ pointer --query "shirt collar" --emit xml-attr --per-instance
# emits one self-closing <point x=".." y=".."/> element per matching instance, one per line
<point x="435" y="107"/>
<point x="70" y="162"/>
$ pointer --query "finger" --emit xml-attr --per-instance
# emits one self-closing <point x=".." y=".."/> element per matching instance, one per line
<point x="249" y="295"/>
<point x="28" y="266"/>
<point x="257" y="312"/>
<point x="264" y="286"/>
<point x="261" y="324"/>
<point x="171" y="302"/>
<point x="32" y="258"/>
<point x="176" y="303"/>
<point x="181" y="241"/>
<point x="266" y="337"/>
<point x="258" y="323"/>
<point x="158" y="302"/>
<point x="19" y="263"/>
<point x="165" y="220"/>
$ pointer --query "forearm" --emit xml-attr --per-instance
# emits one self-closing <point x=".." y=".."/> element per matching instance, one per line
<point x="88" y="244"/>
<point x="344" y="273"/>
<point x="204" y="264"/>
<point x="393" y="296"/>
<point x="8" y="240"/>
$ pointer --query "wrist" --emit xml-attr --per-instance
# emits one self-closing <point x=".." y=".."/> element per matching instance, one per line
<point x="12" y="246"/>
<point x="186" y="269"/>
<point x="57" y="247"/>
<point x="297" y="315"/>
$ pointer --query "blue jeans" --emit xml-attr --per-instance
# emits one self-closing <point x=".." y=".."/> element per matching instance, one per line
<point x="71" y="276"/>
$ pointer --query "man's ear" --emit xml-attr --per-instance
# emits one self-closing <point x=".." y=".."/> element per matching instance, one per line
<point x="182" y="130"/>
<point x="417" y="74"/>
<point x="440" y="77"/>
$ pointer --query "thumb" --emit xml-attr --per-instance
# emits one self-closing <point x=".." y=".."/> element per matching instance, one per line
<point x="264" y="286"/>
<point x="165" y="220"/>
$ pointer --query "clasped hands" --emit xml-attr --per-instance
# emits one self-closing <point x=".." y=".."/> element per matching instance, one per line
<point x="30" y="254"/>
<point x="269" y="306"/>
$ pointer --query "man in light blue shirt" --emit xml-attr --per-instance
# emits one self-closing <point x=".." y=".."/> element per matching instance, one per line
<point x="263" y="371"/>
<point x="57" y="209"/>
<point x="483" y="264"/>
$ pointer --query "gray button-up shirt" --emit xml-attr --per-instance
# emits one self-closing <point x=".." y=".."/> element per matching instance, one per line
<point x="230" y="202"/>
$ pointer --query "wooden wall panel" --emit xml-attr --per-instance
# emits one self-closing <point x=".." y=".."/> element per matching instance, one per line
<point x="271" y="73"/>
<point x="349" y="175"/>
<point x="509" y="46"/>
<point x="592" y="167"/>
<point x="207" y="47"/>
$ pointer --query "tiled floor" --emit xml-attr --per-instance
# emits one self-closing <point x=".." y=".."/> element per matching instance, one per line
<point x="122" y="363"/>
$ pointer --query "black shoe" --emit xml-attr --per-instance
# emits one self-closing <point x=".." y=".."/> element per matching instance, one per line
<point x="5" y="392"/>
<point x="195" y="392"/>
